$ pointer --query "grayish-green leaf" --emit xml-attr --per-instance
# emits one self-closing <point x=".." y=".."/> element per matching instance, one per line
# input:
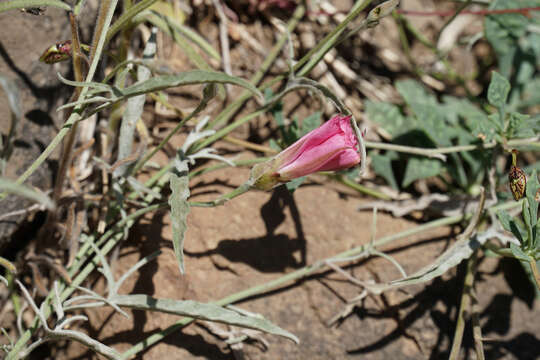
<point x="389" y="117"/>
<point x="518" y="253"/>
<point x="414" y="93"/>
<point x="459" y="251"/>
<point x="530" y="192"/>
<point x="382" y="166"/>
<point x="14" y="101"/>
<point x="21" y="190"/>
<point x="421" y="168"/>
<point x="179" y="182"/>
<point x="505" y="31"/>
<point x="163" y="82"/>
<point x="520" y="126"/>
<point x="134" y="110"/>
<point x="310" y="123"/>
<point x="13" y="95"/>
<point x="510" y="224"/>
<point x="498" y="90"/>
<point x="187" y="78"/>
<point x="202" y="311"/>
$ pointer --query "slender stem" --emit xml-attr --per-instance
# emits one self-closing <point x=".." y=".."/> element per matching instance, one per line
<point x="250" y="145"/>
<point x="464" y="307"/>
<point x="68" y="146"/>
<point x="360" y="188"/>
<point x="438" y="152"/>
<point x="164" y="142"/>
<point x="535" y="272"/>
<point x="452" y="18"/>
<point x="524" y="11"/>
<point x="223" y="198"/>
<point x="477" y="329"/>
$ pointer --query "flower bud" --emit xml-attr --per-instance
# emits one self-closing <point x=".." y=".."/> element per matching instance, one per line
<point x="58" y="52"/>
<point x="332" y="146"/>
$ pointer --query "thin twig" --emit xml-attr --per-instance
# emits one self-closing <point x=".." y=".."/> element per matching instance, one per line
<point x="524" y="11"/>
<point x="464" y="307"/>
<point x="477" y="330"/>
<point x="535" y="272"/>
<point x="223" y="37"/>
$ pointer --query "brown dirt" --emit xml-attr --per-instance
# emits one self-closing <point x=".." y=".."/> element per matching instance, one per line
<point x="260" y="236"/>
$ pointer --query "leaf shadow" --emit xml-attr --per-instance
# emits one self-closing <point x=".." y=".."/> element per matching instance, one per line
<point x="272" y="252"/>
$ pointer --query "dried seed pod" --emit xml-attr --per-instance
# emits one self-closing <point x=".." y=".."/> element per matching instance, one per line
<point x="58" y="52"/>
<point x="517" y="179"/>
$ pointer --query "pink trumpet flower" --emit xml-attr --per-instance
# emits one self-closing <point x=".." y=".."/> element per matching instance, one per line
<point x="332" y="146"/>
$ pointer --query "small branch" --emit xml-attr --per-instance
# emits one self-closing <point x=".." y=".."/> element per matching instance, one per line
<point x="477" y="330"/>
<point x="460" y="10"/>
<point x="464" y="307"/>
<point x="524" y="11"/>
<point x="360" y="188"/>
<point x="223" y="198"/>
<point x="223" y="37"/>
<point x="535" y="272"/>
<point x="439" y="152"/>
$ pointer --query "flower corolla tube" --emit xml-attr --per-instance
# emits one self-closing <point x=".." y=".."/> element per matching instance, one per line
<point x="332" y="146"/>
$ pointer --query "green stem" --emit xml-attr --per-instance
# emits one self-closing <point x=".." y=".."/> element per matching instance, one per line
<point x="535" y="272"/>
<point x="360" y="188"/>
<point x="464" y="307"/>
<point x="224" y="198"/>
<point x="452" y="18"/>
<point x="164" y="142"/>
<point x="438" y="152"/>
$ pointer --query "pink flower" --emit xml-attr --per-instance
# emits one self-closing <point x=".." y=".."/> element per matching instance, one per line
<point x="332" y="146"/>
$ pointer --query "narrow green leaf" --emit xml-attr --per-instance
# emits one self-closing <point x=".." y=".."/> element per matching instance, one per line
<point x="187" y="78"/>
<point x="531" y="189"/>
<point x="13" y="95"/>
<point x="202" y="311"/>
<point x="18" y="4"/>
<point x="459" y="251"/>
<point x="420" y="168"/>
<point x="498" y="90"/>
<point x="518" y="253"/>
<point x="21" y="190"/>
<point x="179" y="183"/>
<point x="509" y="224"/>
